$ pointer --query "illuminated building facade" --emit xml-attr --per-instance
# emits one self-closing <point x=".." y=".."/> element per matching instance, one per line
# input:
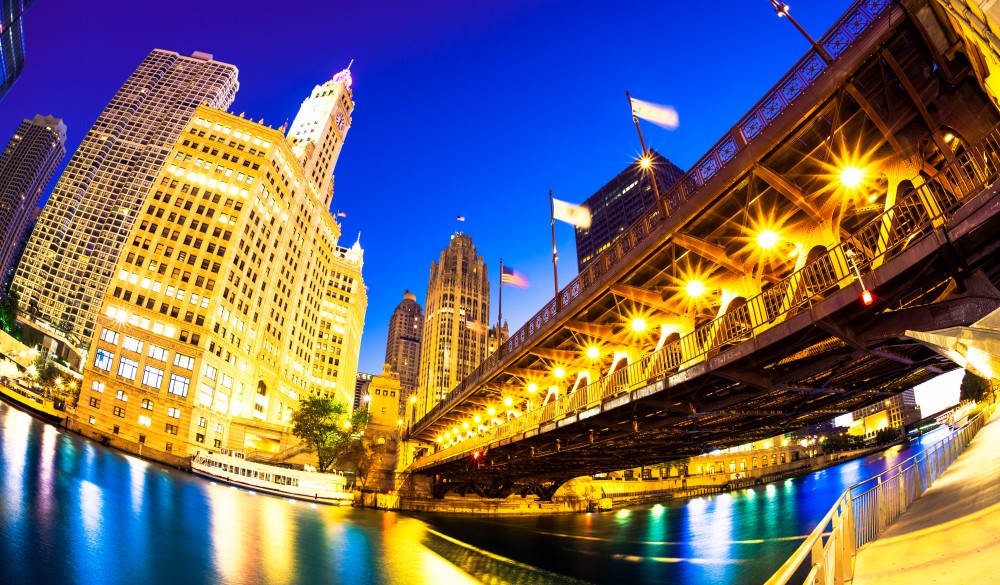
<point x="27" y="165"/>
<point x="617" y="205"/>
<point x="11" y="42"/>
<point x="229" y="300"/>
<point x="456" y="321"/>
<point x="894" y="412"/>
<point x="342" y="322"/>
<point x="72" y="254"/>
<point x="402" y="346"/>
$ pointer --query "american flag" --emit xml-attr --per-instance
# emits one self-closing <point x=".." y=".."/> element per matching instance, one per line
<point x="474" y="325"/>
<point x="512" y="277"/>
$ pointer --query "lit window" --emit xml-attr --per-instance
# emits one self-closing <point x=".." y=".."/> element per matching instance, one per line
<point x="179" y="385"/>
<point x="147" y="404"/>
<point x="132" y="344"/>
<point x="157" y="353"/>
<point x="127" y="368"/>
<point x="103" y="359"/>
<point x="109" y="336"/>
<point x="145" y="420"/>
<point x="152" y="377"/>
<point x="184" y="361"/>
<point x="174" y="412"/>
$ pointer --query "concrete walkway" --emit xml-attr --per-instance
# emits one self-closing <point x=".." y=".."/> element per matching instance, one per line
<point x="951" y="534"/>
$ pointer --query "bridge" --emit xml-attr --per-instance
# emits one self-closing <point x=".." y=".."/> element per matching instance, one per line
<point x="774" y="285"/>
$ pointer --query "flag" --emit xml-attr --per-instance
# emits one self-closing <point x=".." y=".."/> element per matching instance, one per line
<point x="577" y="215"/>
<point x="664" y="116"/>
<point x="513" y="277"/>
<point x="341" y="214"/>
<point x="460" y="218"/>
<point x="473" y="325"/>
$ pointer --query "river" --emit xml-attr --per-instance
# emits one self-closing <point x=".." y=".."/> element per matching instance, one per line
<point x="73" y="511"/>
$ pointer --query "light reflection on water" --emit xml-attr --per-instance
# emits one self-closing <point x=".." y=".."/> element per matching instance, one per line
<point x="76" y="512"/>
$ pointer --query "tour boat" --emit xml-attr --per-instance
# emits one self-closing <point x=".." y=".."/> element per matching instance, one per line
<point x="232" y="467"/>
<point x="31" y="402"/>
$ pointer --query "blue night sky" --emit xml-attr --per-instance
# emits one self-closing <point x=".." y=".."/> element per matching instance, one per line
<point x="462" y="108"/>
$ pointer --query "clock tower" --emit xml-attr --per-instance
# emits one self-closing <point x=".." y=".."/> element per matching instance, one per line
<point x="318" y="131"/>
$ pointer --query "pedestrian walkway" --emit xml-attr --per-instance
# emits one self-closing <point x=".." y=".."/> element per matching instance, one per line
<point x="951" y="534"/>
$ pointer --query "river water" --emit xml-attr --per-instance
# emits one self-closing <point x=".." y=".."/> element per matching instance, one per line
<point x="72" y="511"/>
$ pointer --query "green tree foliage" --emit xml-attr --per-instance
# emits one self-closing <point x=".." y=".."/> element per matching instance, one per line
<point x="328" y="427"/>
<point x="8" y="311"/>
<point x="886" y="435"/>
<point x="843" y="442"/>
<point x="974" y="387"/>
<point x="363" y="455"/>
<point x="46" y="372"/>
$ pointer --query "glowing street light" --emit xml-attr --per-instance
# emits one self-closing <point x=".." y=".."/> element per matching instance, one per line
<point x="767" y="239"/>
<point x="491" y="411"/>
<point x="477" y="419"/>
<point x="695" y="288"/>
<point x="638" y="324"/>
<point x="851" y="176"/>
<point x="645" y="162"/>
<point x="559" y="372"/>
<point x="508" y="401"/>
<point x="593" y="353"/>
<point x="532" y="387"/>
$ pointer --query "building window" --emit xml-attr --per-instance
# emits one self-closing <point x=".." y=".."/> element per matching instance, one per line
<point x="210" y="372"/>
<point x="92" y="420"/>
<point x="132" y="344"/>
<point x="178" y="385"/>
<point x="97" y="386"/>
<point x="145" y="420"/>
<point x="147" y="404"/>
<point x="127" y="368"/>
<point x="184" y="361"/>
<point x="152" y="377"/>
<point x="157" y="353"/>
<point x="199" y="437"/>
<point x="109" y="335"/>
<point x="170" y="446"/>
<point x="174" y="412"/>
<point x="218" y="427"/>
<point x="95" y="402"/>
<point x="103" y="359"/>
<point x="217" y="443"/>
<point x="119" y="412"/>
<point x="170" y="429"/>
<point x="202" y="422"/>
<point x="121" y="395"/>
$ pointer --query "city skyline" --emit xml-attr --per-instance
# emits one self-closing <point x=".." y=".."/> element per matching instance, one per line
<point x="572" y="132"/>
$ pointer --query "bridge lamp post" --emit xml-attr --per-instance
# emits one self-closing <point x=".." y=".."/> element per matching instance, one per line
<point x="866" y="295"/>
<point x="852" y="176"/>
<point x="695" y="288"/>
<point x="639" y="325"/>
<point x="559" y="372"/>
<point x="593" y="353"/>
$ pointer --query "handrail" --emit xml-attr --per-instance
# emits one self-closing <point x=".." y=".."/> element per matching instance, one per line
<point x="851" y="25"/>
<point x="859" y="519"/>
<point x="915" y="213"/>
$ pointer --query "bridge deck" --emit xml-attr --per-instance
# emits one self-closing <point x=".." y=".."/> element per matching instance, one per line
<point x="950" y="534"/>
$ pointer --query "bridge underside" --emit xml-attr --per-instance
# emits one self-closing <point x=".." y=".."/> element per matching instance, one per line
<point x="784" y="340"/>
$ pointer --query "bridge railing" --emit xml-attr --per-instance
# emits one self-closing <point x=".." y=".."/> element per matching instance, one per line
<point x="867" y="508"/>
<point x="916" y="213"/>
<point x="845" y="31"/>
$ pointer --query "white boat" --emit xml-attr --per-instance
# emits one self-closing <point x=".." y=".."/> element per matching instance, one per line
<point x="307" y="484"/>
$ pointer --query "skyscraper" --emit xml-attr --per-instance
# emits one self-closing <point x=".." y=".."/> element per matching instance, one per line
<point x="456" y="321"/>
<point x="402" y="347"/>
<point x="71" y="255"/>
<point x="318" y="131"/>
<point x="11" y="42"/>
<point x="617" y="205"/>
<point x="27" y="165"/>
<point x="230" y="303"/>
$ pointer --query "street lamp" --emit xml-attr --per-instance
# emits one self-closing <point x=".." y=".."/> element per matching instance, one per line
<point x="851" y="176"/>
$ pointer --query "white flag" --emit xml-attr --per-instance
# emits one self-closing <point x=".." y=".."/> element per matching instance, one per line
<point x="664" y="116"/>
<point x="577" y="215"/>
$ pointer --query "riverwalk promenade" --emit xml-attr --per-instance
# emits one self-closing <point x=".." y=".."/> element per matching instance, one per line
<point x="952" y="533"/>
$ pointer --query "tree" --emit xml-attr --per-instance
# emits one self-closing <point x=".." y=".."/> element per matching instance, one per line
<point x="8" y="310"/>
<point x="327" y="427"/>
<point x="363" y="455"/>
<point x="974" y="387"/>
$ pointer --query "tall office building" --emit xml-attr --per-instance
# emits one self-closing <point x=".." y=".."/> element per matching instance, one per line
<point x="230" y="303"/>
<point x="361" y="383"/>
<point x="318" y="131"/>
<point x="402" y="347"/>
<point x="617" y="205"/>
<point x="894" y="412"/>
<point x="456" y="321"/>
<point x="71" y="255"/>
<point x="11" y="42"/>
<point x="342" y="322"/>
<point x="27" y="165"/>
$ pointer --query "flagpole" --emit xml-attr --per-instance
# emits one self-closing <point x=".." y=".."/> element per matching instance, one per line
<point x="500" y="307"/>
<point x="555" y="255"/>
<point x="645" y="155"/>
